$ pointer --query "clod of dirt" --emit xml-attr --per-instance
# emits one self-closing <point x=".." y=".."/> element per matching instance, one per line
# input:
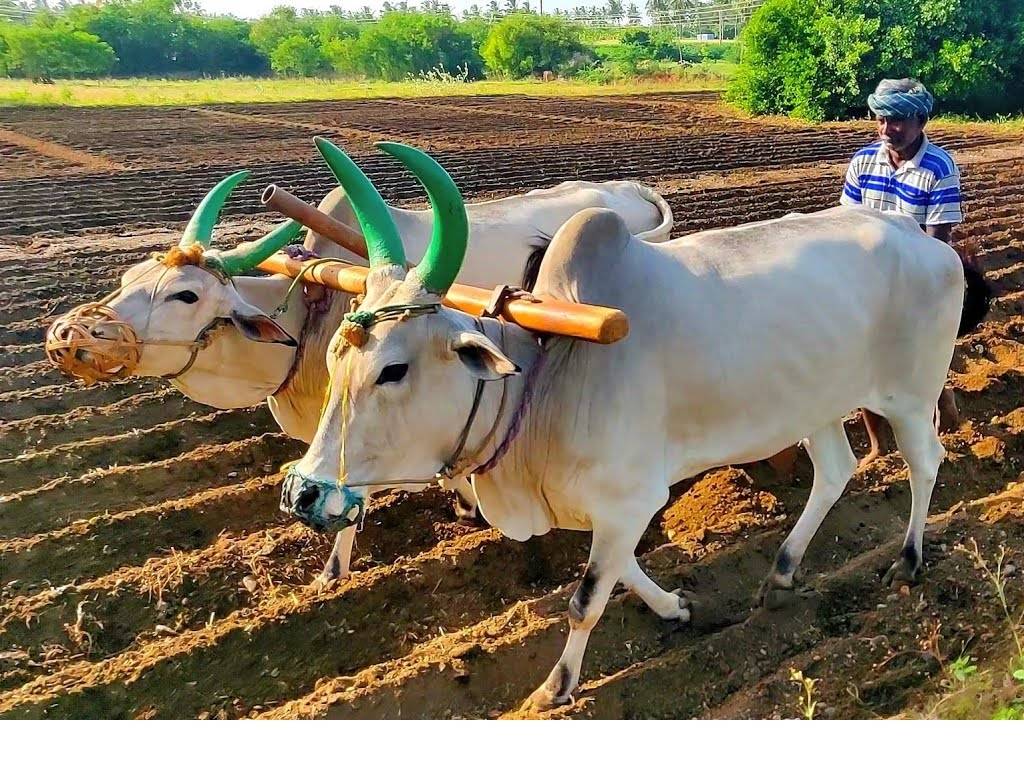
<point x="724" y="501"/>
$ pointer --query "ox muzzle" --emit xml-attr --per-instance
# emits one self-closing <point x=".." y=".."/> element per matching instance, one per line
<point x="323" y="505"/>
<point x="93" y="344"/>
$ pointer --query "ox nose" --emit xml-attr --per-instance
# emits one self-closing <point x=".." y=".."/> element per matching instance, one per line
<point x="305" y="501"/>
<point x="320" y="504"/>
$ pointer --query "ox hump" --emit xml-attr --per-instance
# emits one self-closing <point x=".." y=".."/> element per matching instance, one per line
<point x="588" y="246"/>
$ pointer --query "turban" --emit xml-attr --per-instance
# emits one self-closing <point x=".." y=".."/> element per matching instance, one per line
<point x="900" y="99"/>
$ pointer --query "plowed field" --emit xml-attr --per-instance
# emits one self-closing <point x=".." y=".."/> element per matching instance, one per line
<point x="146" y="570"/>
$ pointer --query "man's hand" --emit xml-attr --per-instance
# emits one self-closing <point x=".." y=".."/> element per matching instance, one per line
<point x="939" y="231"/>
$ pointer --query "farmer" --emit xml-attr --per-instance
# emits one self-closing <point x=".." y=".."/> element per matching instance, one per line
<point x="905" y="172"/>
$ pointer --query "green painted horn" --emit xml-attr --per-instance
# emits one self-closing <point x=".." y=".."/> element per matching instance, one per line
<point x="200" y="226"/>
<point x="248" y="256"/>
<point x="383" y="244"/>
<point x="447" y="248"/>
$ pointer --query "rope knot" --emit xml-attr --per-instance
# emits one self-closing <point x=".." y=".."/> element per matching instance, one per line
<point x="356" y="326"/>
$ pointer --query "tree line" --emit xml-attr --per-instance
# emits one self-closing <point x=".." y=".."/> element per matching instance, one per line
<point x="149" y="38"/>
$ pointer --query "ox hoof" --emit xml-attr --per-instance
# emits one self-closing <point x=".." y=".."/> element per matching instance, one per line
<point x="544" y="699"/>
<point x="776" y="598"/>
<point x="327" y="578"/>
<point x="774" y="592"/>
<point x="683" y="610"/>
<point x="901" y="572"/>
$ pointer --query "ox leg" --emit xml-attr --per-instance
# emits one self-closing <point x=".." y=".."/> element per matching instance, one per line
<point x="923" y="452"/>
<point x="338" y="562"/>
<point x="611" y="554"/>
<point x="834" y="465"/>
<point x="668" y="605"/>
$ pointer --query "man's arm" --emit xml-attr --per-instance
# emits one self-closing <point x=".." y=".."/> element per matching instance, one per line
<point x="944" y="210"/>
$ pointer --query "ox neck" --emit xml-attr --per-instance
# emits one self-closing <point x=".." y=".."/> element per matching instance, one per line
<point x="235" y="372"/>
<point x="501" y="399"/>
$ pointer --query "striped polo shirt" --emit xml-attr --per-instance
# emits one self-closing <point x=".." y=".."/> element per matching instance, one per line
<point x="927" y="186"/>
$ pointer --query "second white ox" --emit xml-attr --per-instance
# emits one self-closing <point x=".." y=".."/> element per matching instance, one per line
<point x="743" y="341"/>
<point x="171" y="306"/>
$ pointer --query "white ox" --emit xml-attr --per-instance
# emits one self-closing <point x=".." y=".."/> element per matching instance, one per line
<point x="743" y="341"/>
<point x="238" y="370"/>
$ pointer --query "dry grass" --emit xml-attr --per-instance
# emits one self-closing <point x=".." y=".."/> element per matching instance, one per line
<point x="144" y="92"/>
<point x="994" y="688"/>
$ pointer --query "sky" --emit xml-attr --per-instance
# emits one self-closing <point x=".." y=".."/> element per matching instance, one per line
<point x="254" y="8"/>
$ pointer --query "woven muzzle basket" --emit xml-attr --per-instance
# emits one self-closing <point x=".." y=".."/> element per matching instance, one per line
<point x="75" y="351"/>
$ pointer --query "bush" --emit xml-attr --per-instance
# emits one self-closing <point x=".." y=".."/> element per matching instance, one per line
<point x="406" y="43"/>
<point x="523" y="44"/>
<point x="56" y="52"/>
<point x="298" y="56"/>
<point x="723" y="51"/>
<point x="819" y="60"/>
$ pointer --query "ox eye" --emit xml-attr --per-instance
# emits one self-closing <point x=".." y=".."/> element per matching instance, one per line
<point x="392" y="374"/>
<point x="189" y="297"/>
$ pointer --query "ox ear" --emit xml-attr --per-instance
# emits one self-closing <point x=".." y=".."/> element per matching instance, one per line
<point x="256" y="325"/>
<point x="482" y="357"/>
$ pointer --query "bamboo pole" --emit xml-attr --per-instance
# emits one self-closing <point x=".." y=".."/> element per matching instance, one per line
<point x="284" y="202"/>
<point x="602" y="325"/>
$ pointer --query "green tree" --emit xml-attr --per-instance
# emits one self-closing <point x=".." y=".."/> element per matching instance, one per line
<point x="146" y="35"/>
<point x="403" y="43"/>
<point x="819" y="60"/>
<point x="298" y="56"/>
<point x="524" y="44"/>
<point x="4" y="49"/>
<point x="282" y="22"/>
<point x="59" y="51"/>
<point x="219" y="46"/>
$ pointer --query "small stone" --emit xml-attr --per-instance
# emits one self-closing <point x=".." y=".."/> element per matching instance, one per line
<point x="232" y="474"/>
<point x="250" y="584"/>
<point x="892" y="598"/>
<point x="904" y="591"/>
<point x="1009" y="569"/>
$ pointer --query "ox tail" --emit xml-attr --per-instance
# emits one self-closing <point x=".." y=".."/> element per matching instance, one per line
<point x="663" y="231"/>
<point x="532" y="267"/>
<point x="978" y="293"/>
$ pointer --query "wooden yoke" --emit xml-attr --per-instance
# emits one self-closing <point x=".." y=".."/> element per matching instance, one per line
<point x="601" y="325"/>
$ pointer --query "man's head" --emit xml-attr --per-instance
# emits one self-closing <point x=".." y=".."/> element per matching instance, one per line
<point x="901" y="108"/>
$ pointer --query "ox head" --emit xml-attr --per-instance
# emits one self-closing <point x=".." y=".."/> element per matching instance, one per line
<point x="166" y="307"/>
<point x="404" y="370"/>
